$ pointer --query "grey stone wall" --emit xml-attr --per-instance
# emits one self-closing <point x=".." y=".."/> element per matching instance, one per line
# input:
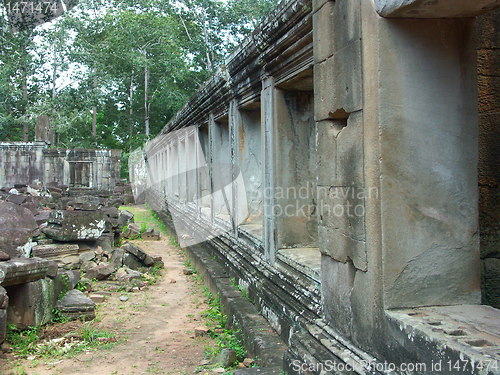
<point x="31" y="163"/>
<point x="367" y="127"/>
<point x="488" y="64"/>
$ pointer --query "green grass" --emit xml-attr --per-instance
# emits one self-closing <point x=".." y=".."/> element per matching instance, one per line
<point x="28" y="343"/>
<point x="216" y="321"/>
<point x="146" y="218"/>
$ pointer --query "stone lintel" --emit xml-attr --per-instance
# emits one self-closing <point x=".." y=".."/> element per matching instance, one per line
<point x="23" y="270"/>
<point x="434" y="8"/>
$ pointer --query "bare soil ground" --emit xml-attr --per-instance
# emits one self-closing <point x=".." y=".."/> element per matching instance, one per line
<point x="154" y="329"/>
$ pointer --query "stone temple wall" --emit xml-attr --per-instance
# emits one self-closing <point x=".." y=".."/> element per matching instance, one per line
<point x="331" y="166"/>
<point x="488" y="64"/>
<point x="31" y="163"/>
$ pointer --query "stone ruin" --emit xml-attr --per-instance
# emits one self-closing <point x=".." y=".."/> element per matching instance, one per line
<point x="386" y="114"/>
<point x="49" y="238"/>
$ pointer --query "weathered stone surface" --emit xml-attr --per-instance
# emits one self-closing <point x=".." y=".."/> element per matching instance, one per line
<point x="4" y="256"/>
<point x="127" y="275"/>
<point x="87" y="256"/>
<point x="131" y="261"/>
<point x="54" y="250"/>
<point x="66" y="281"/>
<point x="100" y="272"/>
<point x="151" y="235"/>
<point x="434" y="9"/>
<point x="42" y="216"/>
<point x="76" y="305"/>
<point x="117" y="257"/>
<point x="23" y="270"/>
<point x="125" y="217"/>
<point x="53" y="269"/>
<point x="31" y="304"/>
<point x="75" y="225"/>
<point x="344" y="68"/>
<point x="3" y="326"/>
<point x="85" y="203"/>
<point x="17" y="224"/>
<point x="139" y="254"/>
<point x="85" y="266"/>
<point x="132" y="231"/>
<point x="491" y="281"/>
<point x="226" y="358"/>
<point x="4" y="299"/>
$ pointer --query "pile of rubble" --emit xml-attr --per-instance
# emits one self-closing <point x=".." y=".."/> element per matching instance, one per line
<point x="50" y="242"/>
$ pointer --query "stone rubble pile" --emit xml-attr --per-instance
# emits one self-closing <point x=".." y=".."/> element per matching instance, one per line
<point x="51" y="241"/>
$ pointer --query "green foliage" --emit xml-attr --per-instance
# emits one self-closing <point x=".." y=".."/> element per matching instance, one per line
<point x="136" y="63"/>
<point x="82" y="285"/>
<point x="58" y="317"/>
<point x="239" y="288"/>
<point x="27" y="342"/>
<point x="217" y="321"/>
<point x="65" y="287"/>
<point x="23" y="342"/>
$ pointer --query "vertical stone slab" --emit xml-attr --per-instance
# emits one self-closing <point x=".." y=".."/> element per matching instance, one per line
<point x="428" y="146"/>
<point x="31" y="304"/>
<point x="488" y="69"/>
<point x="268" y="144"/>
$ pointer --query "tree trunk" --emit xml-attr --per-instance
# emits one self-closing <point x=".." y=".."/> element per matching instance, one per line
<point x="146" y="104"/>
<point x="94" y="111"/>
<point x="131" y="109"/>
<point x="24" y="88"/>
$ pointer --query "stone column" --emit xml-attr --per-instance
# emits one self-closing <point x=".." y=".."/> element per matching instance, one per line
<point x="268" y="144"/>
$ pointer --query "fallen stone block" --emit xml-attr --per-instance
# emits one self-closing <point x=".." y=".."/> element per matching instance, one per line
<point x="132" y="231"/>
<point x="17" y="225"/>
<point x="66" y="226"/>
<point x="139" y="254"/>
<point x="16" y="199"/>
<point x="127" y="275"/>
<point x="76" y="305"/>
<point x="106" y="241"/>
<point x="85" y="266"/>
<point x="117" y="257"/>
<point x="131" y="261"/>
<point x="54" y="250"/>
<point x="100" y="272"/>
<point x="151" y="235"/>
<point x="31" y="304"/>
<point x="85" y="203"/>
<point x="22" y="270"/>
<point x="225" y="358"/>
<point x="4" y="256"/>
<point x="42" y="216"/>
<point x="87" y="256"/>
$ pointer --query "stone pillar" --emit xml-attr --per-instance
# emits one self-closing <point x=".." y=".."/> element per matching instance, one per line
<point x="268" y="145"/>
<point x="488" y="63"/>
<point x="395" y="106"/>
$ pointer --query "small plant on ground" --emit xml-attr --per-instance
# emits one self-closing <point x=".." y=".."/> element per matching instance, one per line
<point x="29" y="342"/>
<point x="217" y="322"/>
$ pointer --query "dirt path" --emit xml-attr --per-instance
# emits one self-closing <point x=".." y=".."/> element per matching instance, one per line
<point x="156" y="325"/>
